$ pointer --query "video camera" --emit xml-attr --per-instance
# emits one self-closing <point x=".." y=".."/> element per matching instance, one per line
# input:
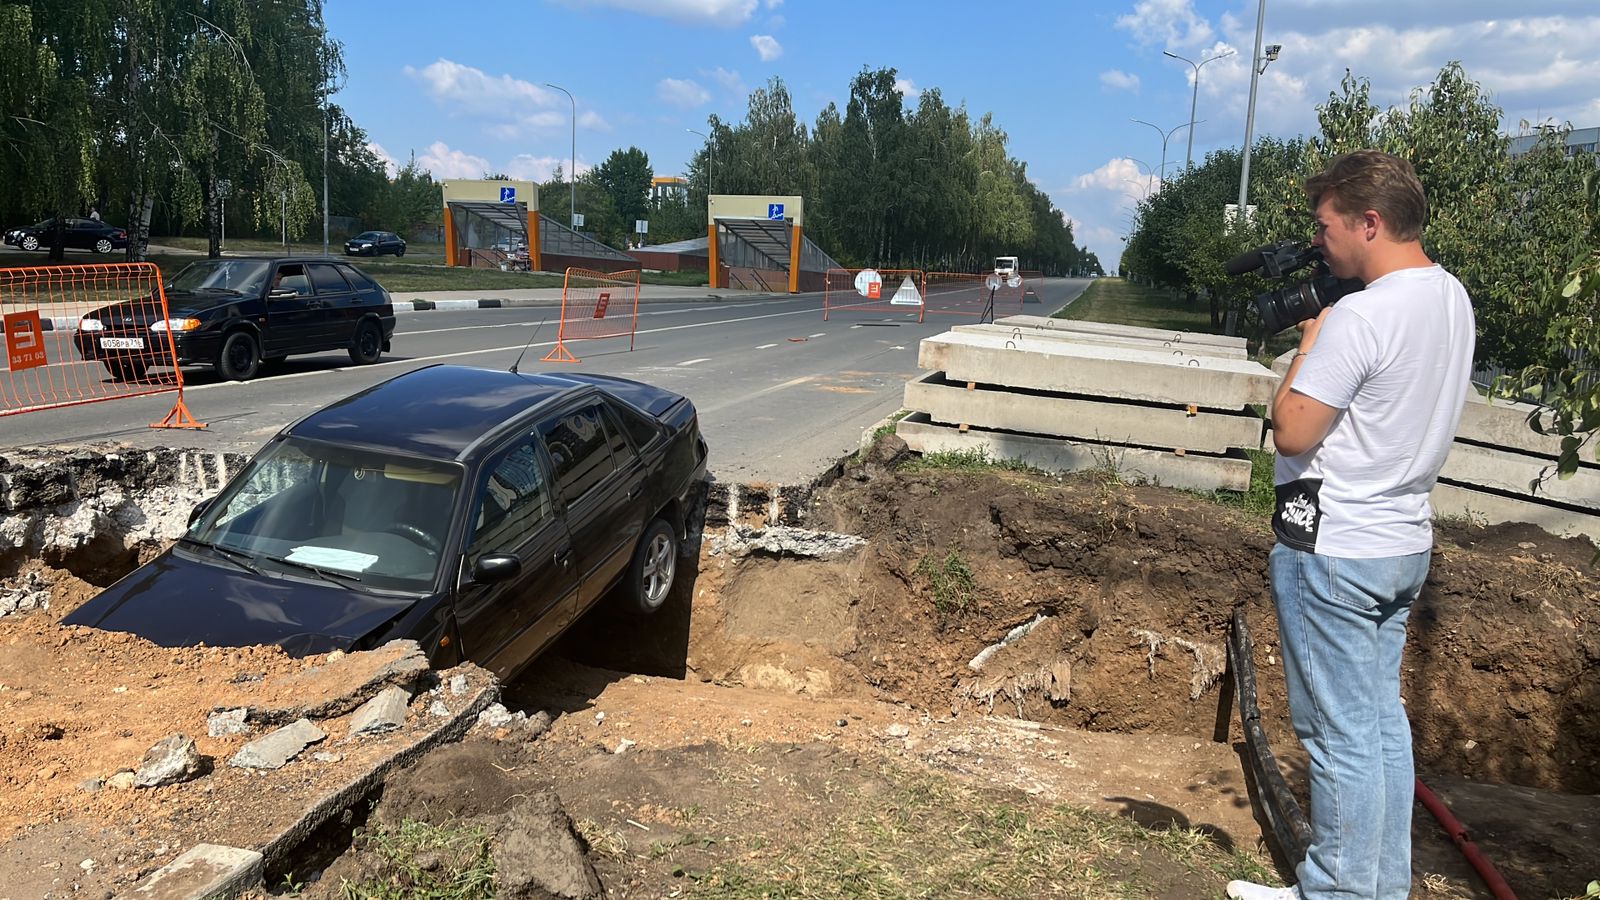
<point x="1292" y="303"/>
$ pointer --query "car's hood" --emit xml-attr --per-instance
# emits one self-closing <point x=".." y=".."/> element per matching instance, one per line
<point x="179" y="600"/>
<point x="180" y="304"/>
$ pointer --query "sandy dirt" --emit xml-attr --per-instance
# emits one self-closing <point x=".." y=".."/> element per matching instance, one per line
<point x="769" y="671"/>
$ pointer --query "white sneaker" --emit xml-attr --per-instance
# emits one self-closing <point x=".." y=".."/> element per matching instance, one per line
<point x="1249" y="890"/>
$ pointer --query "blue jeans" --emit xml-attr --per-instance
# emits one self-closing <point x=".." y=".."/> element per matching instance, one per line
<point x="1343" y="627"/>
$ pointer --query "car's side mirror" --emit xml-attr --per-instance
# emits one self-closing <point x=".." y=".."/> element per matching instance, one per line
<point x="493" y="568"/>
<point x="199" y="510"/>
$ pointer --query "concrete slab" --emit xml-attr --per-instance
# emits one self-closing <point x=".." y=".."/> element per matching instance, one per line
<point x="1503" y="470"/>
<point x="1099" y="371"/>
<point x="204" y="872"/>
<point x="1504" y="423"/>
<point x="1110" y="340"/>
<point x="1190" y="471"/>
<point x="1492" y="509"/>
<point x="1133" y="331"/>
<point x="951" y="403"/>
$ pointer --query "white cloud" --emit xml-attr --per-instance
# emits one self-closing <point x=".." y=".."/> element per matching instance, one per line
<point x="907" y="88"/>
<point x="390" y="164"/>
<point x="767" y="46"/>
<point x="681" y="92"/>
<point x="732" y="82"/>
<point x="510" y="108"/>
<point x="1121" y="176"/>
<point x="444" y="162"/>
<point x="1118" y="80"/>
<point x="1170" y="23"/>
<point x="527" y="167"/>
<point x="725" y="13"/>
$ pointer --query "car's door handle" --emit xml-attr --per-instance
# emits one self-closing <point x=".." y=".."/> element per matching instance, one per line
<point x="563" y="557"/>
<point x="635" y="491"/>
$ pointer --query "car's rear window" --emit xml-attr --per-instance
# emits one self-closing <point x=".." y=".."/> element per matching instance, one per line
<point x="357" y="278"/>
<point x="327" y="279"/>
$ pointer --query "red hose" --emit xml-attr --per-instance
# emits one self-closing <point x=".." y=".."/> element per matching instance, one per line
<point x="1458" y="833"/>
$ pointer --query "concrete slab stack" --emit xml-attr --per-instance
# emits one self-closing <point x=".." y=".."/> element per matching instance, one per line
<point x="1172" y="408"/>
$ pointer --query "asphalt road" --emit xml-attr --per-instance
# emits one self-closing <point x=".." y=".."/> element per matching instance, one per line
<point x="781" y="393"/>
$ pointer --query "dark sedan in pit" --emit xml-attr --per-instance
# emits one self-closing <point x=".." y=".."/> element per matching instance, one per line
<point x="241" y="314"/>
<point x="477" y="512"/>
<point x="76" y="234"/>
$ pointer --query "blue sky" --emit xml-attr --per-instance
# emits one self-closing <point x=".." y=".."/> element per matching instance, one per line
<point x="463" y="86"/>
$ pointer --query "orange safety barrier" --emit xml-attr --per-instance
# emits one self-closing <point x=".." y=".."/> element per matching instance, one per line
<point x="596" y="305"/>
<point x="892" y="290"/>
<point x="963" y="294"/>
<point x="52" y="360"/>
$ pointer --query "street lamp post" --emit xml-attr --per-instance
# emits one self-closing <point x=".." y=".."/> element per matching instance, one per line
<point x="572" y="177"/>
<point x="711" y="173"/>
<point x="1188" y="156"/>
<point x="1258" y="65"/>
<point x="1165" y="136"/>
<point x="324" y="176"/>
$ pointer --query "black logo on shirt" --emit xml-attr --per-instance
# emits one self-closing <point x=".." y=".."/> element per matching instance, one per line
<point x="1298" y="514"/>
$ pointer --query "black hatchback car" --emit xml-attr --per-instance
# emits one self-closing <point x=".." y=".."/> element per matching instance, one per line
<point x="375" y="243"/>
<point x="76" y="234"/>
<point x="478" y="512"/>
<point x="239" y="314"/>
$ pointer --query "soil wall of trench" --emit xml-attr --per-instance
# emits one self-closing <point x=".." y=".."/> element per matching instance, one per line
<point x="1077" y="601"/>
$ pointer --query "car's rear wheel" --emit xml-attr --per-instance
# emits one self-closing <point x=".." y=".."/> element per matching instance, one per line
<point x="103" y="245"/>
<point x="367" y="345"/>
<point x="30" y="242"/>
<point x="655" y="562"/>
<point x="240" y="357"/>
<point x="126" y="369"/>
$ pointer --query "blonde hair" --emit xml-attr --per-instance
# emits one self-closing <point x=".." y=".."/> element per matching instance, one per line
<point x="1371" y="179"/>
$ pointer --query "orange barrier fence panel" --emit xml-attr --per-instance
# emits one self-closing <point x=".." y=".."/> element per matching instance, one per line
<point x="84" y="334"/>
<point x="874" y="290"/>
<point x="964" y="294"/>
<point x="596" y="305"/>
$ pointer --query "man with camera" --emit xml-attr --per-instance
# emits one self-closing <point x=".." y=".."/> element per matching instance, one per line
<point x="1362" y="422"/>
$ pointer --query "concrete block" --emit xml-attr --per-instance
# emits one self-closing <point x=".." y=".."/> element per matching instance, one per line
<point x="1190" y="471"/>
<point x="204" y="872"/>
<point x="1134" y="331"/>
<point x="1504" y="423"/>
<point x="1091" y="420"/>
<point x="1492" y="509"/>
<point x="1098" y="371"/>
<point x="1506" y="471"/>
<point x="1167" y="342"/>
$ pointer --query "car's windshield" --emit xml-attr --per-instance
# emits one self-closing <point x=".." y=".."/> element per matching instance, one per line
<point x="40" y="226"/>
<point x="377" y="516"/>
<point x="245" y="276"/>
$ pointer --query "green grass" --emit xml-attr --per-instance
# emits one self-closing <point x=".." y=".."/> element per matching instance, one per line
<point x="427" y="862"/>
<point x="934" y="837"/>
<point x="1118" y="302"/>
<point x="950" y="581"/>
<point x="971" y="461"/>
<point x="1261" y="498"/>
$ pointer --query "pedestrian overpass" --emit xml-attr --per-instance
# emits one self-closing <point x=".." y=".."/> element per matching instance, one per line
<point x="758" y="242"/>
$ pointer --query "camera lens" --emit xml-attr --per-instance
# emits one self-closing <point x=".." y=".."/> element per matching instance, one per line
<point x="1288" y="306"/>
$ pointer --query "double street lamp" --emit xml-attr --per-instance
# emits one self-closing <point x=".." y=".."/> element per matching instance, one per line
<point x="1165" y="136"/>
<point x="572" y="176"/>
<point x="1194" y="97"/>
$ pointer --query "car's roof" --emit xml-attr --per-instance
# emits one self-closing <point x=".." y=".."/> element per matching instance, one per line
<point x="436" y="411"/>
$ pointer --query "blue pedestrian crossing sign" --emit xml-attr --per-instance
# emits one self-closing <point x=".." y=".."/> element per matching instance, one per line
<point x="508" y="195"/>
<point x="775" y="211"/>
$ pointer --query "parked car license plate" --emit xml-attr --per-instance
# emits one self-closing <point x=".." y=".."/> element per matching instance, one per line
<point x="122" y="343"/>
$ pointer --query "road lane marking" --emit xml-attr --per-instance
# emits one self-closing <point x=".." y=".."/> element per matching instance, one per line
<point x="690" y="362"/>
<point x="766" y="346"/>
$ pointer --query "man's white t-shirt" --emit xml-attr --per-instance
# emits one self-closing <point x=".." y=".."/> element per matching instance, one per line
<point x="1396" y="360"/>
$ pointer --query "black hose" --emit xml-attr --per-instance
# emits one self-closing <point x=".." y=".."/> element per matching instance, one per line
<point x="1290" y="830"/>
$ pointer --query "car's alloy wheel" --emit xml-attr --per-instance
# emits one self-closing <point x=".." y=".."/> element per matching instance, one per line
<point x="240" y="357"/>
<point x="126" y="369"/>
<point x="367" y="345"/>
<point x="655" y="562"/>
<point x="29" y="242"/>
<point x="102" y="245"/>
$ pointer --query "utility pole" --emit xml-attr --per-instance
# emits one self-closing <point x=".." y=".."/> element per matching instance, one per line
<point x="1258" y="65"/>
<point x="324" y="173"/>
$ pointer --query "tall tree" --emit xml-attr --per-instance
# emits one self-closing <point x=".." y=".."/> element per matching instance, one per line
<point x="625" y="178"/>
